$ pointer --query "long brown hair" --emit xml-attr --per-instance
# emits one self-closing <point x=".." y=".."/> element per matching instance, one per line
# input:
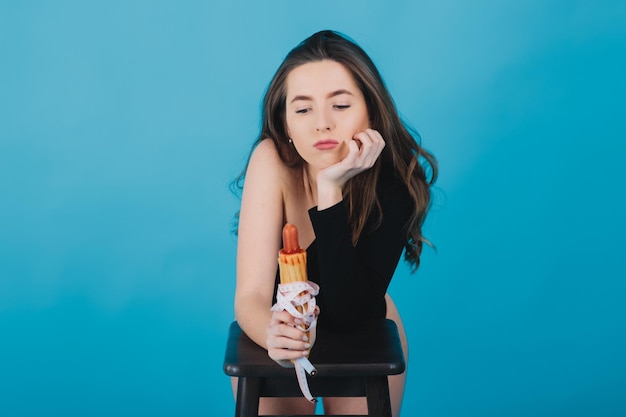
<point x="416" y="167"/>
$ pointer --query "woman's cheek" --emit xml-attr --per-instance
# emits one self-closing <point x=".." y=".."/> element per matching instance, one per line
<point x="344" y="151"/>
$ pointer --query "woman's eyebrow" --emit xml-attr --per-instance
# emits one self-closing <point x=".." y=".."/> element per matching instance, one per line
<point x="301" y="97"/>
<point x="330" y="95"/>
<point x="339" y="92"/>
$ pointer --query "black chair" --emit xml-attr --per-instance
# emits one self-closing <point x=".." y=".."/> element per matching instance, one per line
<point x="350" y="364"/>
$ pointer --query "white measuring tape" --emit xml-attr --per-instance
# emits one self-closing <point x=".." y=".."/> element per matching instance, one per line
<point x="288" y="297"/>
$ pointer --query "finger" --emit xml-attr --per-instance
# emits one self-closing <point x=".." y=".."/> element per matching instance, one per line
<point x="279" y="317"/>
<point x="372" y="144"/>
<point x="378" y="144"/>
<point x="376" y="137"/>
<point x="353" y="154"/>
<point x="276" y="344"/>
<point x="364" y="143"/>
<point x="286" y="354"/>
<point x="287" y="344"/>
<point x="377" y="141"/>
<point x="287" y="331"/>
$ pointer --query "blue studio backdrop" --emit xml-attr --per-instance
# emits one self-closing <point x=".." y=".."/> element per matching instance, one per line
<point x="122" y="124"/>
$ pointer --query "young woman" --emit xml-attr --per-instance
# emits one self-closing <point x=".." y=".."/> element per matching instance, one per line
<point x="334" y="159"/>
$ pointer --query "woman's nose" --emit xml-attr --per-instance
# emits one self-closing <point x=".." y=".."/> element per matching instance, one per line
<point x="323" y="121"/>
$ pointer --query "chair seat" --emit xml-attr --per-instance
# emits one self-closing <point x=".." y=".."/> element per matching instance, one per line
<point x="348" y="364"/>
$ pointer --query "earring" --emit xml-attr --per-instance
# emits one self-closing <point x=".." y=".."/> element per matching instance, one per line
<point x="290" y="140"/>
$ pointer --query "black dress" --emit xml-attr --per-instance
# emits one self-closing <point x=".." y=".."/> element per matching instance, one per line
<point x="353" y="280"/>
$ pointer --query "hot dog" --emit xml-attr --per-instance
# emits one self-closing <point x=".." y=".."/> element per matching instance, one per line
<point x="292" y="259"/>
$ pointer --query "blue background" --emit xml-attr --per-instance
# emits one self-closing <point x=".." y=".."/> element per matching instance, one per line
<point x="123" y="123"/>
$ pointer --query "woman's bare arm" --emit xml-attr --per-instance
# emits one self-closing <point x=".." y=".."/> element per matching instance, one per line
<point x="260" y="222"/>
<point x="260" y="229"/>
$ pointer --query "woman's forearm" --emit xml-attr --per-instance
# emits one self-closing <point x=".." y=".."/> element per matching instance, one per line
<point x="253" y="316"/>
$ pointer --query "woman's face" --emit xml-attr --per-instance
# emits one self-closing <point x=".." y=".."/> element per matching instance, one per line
<point x="324" y="110"/>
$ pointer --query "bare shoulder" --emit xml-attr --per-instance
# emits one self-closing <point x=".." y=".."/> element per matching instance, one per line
<point x="264" y="175"/>
<point x="266" y="164"/>
<point x="266" y="155"/>
<point x="274" y="184"/>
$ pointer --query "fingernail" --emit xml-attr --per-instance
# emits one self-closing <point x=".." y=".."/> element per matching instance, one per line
<point x="305" y="339"/>
<point x="305" y="353"/>
<point x="307" y="345"/>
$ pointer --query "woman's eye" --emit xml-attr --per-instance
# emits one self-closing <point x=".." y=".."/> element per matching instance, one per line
<point x="342" y="106"/>
<point x="302" y="111"/>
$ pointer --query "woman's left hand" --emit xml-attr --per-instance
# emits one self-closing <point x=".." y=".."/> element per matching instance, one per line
<point x="364" y="150"/>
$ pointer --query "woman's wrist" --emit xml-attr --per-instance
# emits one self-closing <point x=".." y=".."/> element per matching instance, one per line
<point x="328" y="195"/>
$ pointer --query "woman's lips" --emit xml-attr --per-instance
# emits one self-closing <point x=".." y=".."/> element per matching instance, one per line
<point x="325" y="144"/>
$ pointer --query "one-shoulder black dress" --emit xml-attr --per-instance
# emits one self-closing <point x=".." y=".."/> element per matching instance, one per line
<point x="353" y="280"/>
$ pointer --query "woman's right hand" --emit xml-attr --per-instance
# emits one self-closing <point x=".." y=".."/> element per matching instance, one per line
<point x="285" y="341"/>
